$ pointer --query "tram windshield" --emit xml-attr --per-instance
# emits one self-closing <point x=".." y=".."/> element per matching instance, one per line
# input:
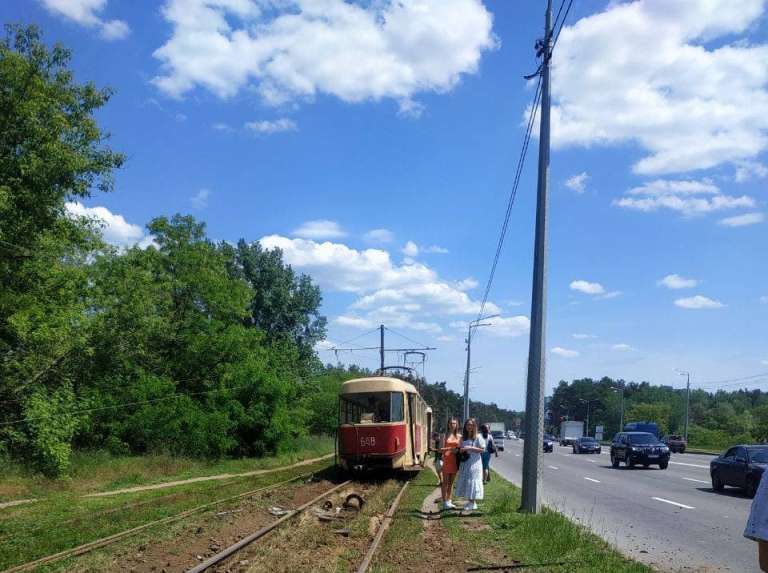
<point x="371" y="407"/>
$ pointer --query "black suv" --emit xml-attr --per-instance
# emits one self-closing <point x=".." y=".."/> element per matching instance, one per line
<point x="638" y="448"/>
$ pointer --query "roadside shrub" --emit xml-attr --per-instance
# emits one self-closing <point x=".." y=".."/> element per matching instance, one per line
<point x="51" y="427"/>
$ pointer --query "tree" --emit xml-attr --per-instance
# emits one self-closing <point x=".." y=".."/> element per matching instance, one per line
<point x="51" y="151"/>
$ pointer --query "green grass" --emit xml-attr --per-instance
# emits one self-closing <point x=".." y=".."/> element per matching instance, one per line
<point x="99" y="471"/>
<point x="64" y="521"/>
<point x="503" y="535"/>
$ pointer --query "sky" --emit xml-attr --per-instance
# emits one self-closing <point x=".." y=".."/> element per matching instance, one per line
<point x="375" y="142"/>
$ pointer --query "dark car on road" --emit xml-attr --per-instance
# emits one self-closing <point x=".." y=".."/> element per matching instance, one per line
<point x="586" y="445"/>
<point x="638" y="448"/>
<point x="548" y="443"/>
<point x="740" y="466"/>
<point x="675" y="443"/>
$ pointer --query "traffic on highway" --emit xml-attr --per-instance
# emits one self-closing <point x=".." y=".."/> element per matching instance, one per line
<point x="668" y="511"/>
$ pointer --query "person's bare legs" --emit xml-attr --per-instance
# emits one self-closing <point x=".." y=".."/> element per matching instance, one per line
<point x="762" y="551"/>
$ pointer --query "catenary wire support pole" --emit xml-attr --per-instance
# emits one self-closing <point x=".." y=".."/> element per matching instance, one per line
<point x="478" y="322"/>
<point x="381" y="347"/>
<point x="534" y="399"/>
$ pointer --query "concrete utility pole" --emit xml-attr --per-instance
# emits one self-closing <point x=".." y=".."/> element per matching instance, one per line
<point x="381" y="347"/>
<point x="534" y="399"/>
<point x="687" y="398"/>
<point x="472" y="325"/>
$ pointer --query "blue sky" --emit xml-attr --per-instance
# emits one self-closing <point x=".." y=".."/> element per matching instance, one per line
<point x="308" y="124"/>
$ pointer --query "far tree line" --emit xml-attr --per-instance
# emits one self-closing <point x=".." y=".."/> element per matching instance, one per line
<point x="716" y="419"/>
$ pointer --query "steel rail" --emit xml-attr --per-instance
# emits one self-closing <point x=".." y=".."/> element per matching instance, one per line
<point x="232" y="549"/>
<point x="104" y="541"/>
<point x="381" y="531"/>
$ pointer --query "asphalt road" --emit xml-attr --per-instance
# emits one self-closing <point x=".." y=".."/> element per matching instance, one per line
<point x="670" y="519"/>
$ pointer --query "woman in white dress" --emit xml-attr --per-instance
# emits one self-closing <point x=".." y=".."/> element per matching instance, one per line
<point x="757" y="524"/>
<point x="470" y="481"/>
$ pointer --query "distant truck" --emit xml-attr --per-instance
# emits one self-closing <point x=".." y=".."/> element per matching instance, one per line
<point x="496" y="427"/>
<point x="570" y="432"/>
<point x="649" y="427"/>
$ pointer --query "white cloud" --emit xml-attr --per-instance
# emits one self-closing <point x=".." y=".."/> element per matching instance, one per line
<point x="320" y="229"/>
<point x="622" y="347"/>
<point x="747" y="170"/>
<point x="682" y="80"/>
<point x="698" y="302"/>
<point x="221" y="126"/>
<point x="587" y="287"/>
<point x="436" y="249"/>
<point x="765" y="362"/>
<point x="564" y="352"/>
<point x="267" y="127"/>
<point x="200" y="199"/>
<point x="688" y="197"/>
<point x="114" y="228"/>
<point x="507" y="327"/>
<point x="409" y="295"/>
<point x="85" y="13"/>
<point x="764" y="300"/>
<point x="578" y="183"/>
<point x="513" y="303"/>
<point x="410" y="249"/>
<point x="676" y="282"/>
<point x="445" y="338"/>
<point x="467" y="284"/>
<point x="297" y="49"/>
<point x="379" y="236"/>
<point x="582" y="336"/>
<point x="743" y="220"/>
<point x="324" y="345"/>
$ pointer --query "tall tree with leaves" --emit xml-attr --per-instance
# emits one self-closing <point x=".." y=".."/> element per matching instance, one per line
<point x="51" y="151"/>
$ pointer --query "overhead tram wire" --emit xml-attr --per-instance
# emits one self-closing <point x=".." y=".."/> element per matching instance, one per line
<point x="512" y="194"/>
<point x="557" y="34"/>
<point x="404" y="336"/>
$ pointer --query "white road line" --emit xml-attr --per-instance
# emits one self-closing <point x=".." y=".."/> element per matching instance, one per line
<point x="691" y="465"/>
<point x="553" y="467"/>
<point x="661" y="499"/>
<point x="593" y="461"/>
<point x="697" y="480"/>
<point x="517" y="455"/>
<point x="590" y="479"/>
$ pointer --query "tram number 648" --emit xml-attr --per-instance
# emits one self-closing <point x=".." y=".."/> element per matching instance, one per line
<point x="367" y="441"/>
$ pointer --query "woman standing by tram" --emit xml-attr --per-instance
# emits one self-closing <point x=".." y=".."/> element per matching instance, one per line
<point x="450" y="462"/>
<point x="470" y="484"/>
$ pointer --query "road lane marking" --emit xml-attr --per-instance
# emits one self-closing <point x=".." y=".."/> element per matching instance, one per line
<point x="553" y="467"/>
<point x="661" y="499"/>
<point x="697" y="480"/>
<point x="517" y="455"/>
<point x="590" y="479"/>
<point x="691" y="465"/>
<point x="593" y="461"/>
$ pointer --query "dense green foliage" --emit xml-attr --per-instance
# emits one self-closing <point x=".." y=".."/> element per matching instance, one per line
<point x="446" y="403"/>
<point x="717" y="419"/>
<point x="186" y="346"/>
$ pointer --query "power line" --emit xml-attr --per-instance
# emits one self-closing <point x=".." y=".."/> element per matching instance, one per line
<point x="404" y="336"/>
<point x="557" y="35"/>
<point x="512" y="194"/>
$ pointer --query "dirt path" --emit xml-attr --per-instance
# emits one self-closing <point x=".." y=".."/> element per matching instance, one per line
<point x="167" y="484"/>
<point x="207" y="478"/>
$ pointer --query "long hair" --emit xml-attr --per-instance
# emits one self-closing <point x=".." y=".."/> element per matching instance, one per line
<point x="470" y="429"/>
<point x="450" y="431"/>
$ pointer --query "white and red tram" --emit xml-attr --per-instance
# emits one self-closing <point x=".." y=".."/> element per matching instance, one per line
<point x="383" y="423"/>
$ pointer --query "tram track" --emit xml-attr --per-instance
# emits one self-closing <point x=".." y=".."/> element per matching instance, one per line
<point x="221" y="561"/>
<point x="119" y="536"/>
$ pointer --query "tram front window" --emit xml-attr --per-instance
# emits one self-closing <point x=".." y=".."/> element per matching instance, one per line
<point x="372" y="407"/>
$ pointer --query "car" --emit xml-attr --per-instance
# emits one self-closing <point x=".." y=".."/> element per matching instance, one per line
<point x="638" y="448"/>
<point x="675" y="443"/>
<point x="548" y="443"/>
<point x="740" y="466"/>
<point x="587" y="445"/>
<point x="498" y="440"/>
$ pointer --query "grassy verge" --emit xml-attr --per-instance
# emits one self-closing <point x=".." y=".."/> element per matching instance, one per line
<point x="65" y="521"/>
<point x="99" y="471"/>
<point x="501" y="535"/>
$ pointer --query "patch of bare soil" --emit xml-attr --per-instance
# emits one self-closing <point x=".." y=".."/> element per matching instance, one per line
<point x="206" y="535"/>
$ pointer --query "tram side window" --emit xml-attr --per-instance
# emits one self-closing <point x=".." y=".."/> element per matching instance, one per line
<point x="372" y="407"/>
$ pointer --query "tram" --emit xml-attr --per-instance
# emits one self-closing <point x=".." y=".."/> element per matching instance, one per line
<point x="384" y="423"/>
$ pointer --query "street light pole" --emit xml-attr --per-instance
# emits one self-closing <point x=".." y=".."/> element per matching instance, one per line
<point x="472" y="325"/>
<point x="687" y="398"/>
<point x="588" y="402"/>
<point x="534" y="394"/>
